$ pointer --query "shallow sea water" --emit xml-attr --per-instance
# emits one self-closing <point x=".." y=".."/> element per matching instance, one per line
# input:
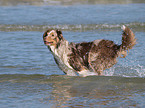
<point x="30" y="78"/>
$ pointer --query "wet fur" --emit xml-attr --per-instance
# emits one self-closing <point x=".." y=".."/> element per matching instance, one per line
<point x="88" y="58"/>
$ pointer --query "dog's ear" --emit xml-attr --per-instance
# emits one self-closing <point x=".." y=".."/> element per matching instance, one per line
<point x="45" y="34"/>
<point x="59" y="34"/>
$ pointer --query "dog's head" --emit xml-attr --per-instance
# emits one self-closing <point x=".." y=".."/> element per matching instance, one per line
<point x="52" y="37"/>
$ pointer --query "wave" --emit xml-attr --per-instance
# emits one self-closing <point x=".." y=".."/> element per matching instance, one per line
<point x="64" y="2"/>
<point x="117" y="70"/>
<point x="42" y="79"/>
<point x="80" y="27"/>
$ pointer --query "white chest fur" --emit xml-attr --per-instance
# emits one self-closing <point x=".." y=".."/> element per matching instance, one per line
<point x="61" y="58"/>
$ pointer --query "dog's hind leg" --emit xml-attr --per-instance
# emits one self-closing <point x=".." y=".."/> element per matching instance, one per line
<point x="103" y="56"/>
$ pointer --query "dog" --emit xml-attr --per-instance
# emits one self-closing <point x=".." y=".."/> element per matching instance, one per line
<point x="87" y="58"/>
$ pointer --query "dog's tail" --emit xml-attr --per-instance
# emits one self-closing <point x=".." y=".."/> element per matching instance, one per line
<point x="128" y="41"/>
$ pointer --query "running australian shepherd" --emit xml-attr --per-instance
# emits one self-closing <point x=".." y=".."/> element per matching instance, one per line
<point x="87" y="58"/>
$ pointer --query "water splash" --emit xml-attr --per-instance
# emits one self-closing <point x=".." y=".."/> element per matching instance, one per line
<point x="126" y="71"/>
<point x="140" y="70"/>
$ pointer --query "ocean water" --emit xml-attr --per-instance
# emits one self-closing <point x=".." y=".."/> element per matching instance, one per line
<point x="29" y="77"/>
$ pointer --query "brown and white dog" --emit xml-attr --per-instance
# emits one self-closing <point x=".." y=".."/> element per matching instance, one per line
<point x="87" y="58"/>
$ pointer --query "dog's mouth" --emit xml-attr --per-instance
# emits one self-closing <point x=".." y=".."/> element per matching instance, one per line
<point x="48" y="43"/>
